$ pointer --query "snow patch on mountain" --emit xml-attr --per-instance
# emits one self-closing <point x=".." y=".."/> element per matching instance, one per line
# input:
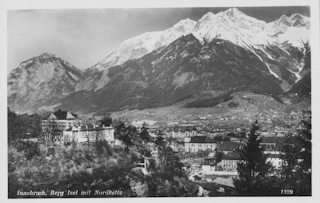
<point x="296" y="74"/>
<point x="234" y="26"/>
<point x="138" y="46"/>
<point x="296" y="36"/>
<point x="294" y="30"/>
<point x="273" y="73"/>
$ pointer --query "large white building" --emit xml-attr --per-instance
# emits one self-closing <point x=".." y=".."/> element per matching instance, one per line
<point x="59" y="120"/>
<point x="91" y="134"/>
<point x="197" y="143"/>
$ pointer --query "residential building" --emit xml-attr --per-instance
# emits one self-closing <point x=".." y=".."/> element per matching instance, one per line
<point x="225" y="182"/>
<point x="209" y="166"/>
<point x="271" y="145"/>
<point x="183" y="131"/>
<point x="89" y="133"/>
<point x="227" y="146"/>
<point x="196" y="143"/>
<point x="59" y="120"/>
<point x="229" y="162"/>
<point x="275" y="160"/>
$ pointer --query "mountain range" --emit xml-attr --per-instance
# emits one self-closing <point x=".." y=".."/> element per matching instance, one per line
<point x="191" y="62"/>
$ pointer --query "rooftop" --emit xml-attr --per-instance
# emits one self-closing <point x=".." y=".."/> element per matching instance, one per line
<point x="231" y="156"/>
<point x="201" y="139"/>
<point x="224" y="182"/>
<point x="275" y="140"/>
<point x="227" y="146"/>
<point x="63" y="115"/>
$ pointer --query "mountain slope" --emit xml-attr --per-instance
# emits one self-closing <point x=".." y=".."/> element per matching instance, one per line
<point x="205" y="61"/>
<point x="132" y="49"/>
<point x="184" y="69"/>
<point x="39" y="80"/>
<point x="294" y="30"/>
<point x="140" y="45"/>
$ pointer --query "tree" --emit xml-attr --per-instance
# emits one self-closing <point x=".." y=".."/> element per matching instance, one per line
<point x="168" y="178"/>
<point x="144" y="133"/>
<point x="106" y="120"/>
<point x="13" y="130"/>
<point x="295" y="171"/>
<point x="218" y="156"/>
<point x="125" y="133"/>
<point x="20" y="126"/>
<point x="290" y="161"/>
<point x="305" y="155"/>
<point x="253" y="169"/>
<point x="160" y="142"/>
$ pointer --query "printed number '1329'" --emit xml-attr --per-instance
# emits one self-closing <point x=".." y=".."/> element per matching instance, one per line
<point x="286" y="192"/>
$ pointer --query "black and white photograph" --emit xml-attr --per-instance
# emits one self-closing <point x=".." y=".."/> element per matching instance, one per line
<point x="160" y="101"/>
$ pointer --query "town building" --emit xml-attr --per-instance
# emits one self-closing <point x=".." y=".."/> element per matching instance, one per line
<point x="80" y="134"/>
<point x="227" y="146"/>
<point x="59" y="120"/>
<point x="275" y="160"/>
<point x="271" y="145"/>
<point x="182" y="131"/>
<point x="208" y="166"/>
<point x="197" y="143"/>
<point x="229" y="162"/>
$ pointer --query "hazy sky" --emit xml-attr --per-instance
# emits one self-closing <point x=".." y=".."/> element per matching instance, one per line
<point x="83" y="37"/>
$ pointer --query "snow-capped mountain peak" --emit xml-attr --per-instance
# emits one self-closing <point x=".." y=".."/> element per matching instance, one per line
<point x="140" y="45"/>
<point x="186" y="24"/>
<point x="231" y="25"/>
<point x="294" y="30"/>
<point x="47" y="54"/>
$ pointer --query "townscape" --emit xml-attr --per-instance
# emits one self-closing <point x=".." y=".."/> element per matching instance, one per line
<point x="218" y="104"/>
<point x="207" y="156"/>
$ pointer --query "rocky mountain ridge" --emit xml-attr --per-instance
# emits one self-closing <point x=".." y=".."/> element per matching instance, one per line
<point x="215" y="56"/>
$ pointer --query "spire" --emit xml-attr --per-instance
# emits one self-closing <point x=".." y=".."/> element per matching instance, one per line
<point x="255" y="126"/>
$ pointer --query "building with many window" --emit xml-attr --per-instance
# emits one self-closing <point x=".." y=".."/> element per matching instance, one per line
<point x="89" y="134"/>
<point x="59" y="120"/>
<point x="229" y="162"/>
<point x="227" y="146"/>
<point x="197" y="143"/>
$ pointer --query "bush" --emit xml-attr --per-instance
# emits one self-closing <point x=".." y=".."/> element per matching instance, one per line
<point x="103" y="147"/>
<point x="30" y="149"/>
<point x="69" y="169"/>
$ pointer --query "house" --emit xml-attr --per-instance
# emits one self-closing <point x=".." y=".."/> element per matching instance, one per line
<point x="227" y="146"/>
<point x="197" y="178"/>
<point x="82" y="134"/>
<point x="183" y="131"/>
<point x="60" y="120"/>
<point x="229" y="162"/>
<point x="227" y="183"/>
<point x="209" y="166"/>
<point x="275" y="160"/>
<point x="142" y="167"/>
<point x="197" y="143"/>
<point x="205" y="189"/>
<point x="271" y="144"/>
